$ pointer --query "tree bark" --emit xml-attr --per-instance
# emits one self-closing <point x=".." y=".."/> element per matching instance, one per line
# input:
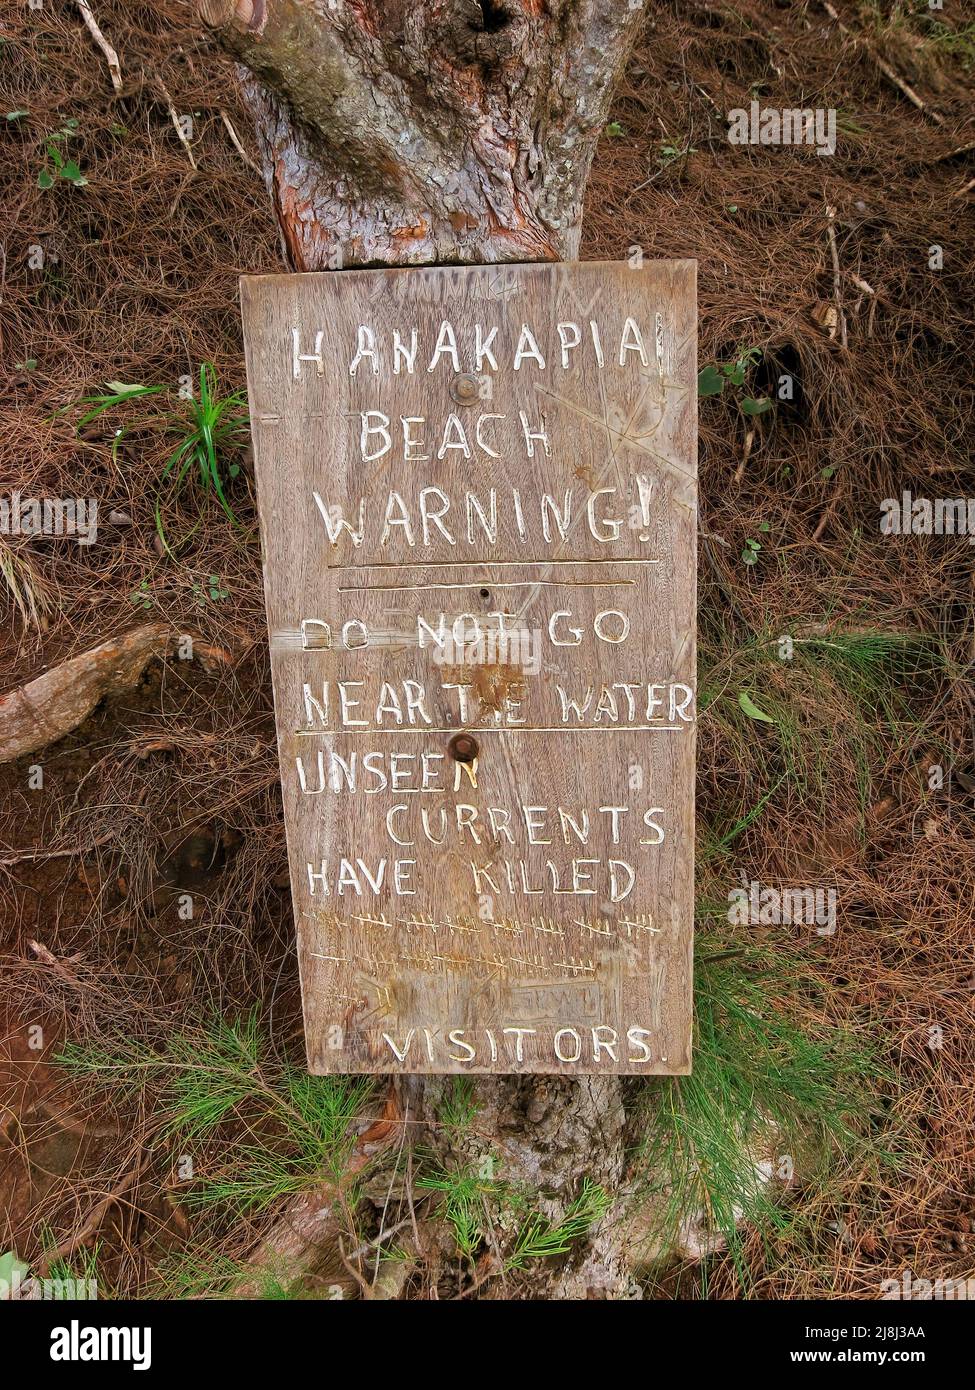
<point x="418" y="132"/>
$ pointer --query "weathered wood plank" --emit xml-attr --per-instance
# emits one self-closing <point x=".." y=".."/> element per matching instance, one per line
<point x="487" y="527"/>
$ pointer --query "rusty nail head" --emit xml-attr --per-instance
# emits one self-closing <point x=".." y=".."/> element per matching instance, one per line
<point x="463" y="748"/>
<point x="465" y="389"/>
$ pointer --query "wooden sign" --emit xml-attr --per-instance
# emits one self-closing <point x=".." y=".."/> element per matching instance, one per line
<point x="477" y="493"/>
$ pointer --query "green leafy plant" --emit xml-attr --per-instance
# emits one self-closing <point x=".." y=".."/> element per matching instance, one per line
<point x="710" y="381"/>
<point x="12" y="1268"/>
<point x="210" y="430"/>
<point x="669" y="153"/>
<point x="65" y="1275"/>
<point x="752" y="547"/>
<point x="142" y="595"/>
<point x="748" y="706"/>
<point x="848" y="125"/>
<point x="202" y="1272"/>
<point x="713" y="378"/>
<point x="114" y="394"/>
<point x="838" y="696"/>
<point x="56" y="163"/>
<point x="213" y="590"/>
<point x="468" y="1198"/>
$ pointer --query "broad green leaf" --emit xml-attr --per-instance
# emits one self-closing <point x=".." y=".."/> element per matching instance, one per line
<point x="749" y="707"/>
<point x="751" y="406"/>
<point x="124" y="388"/>
<point x="44" y="179"/>
<point x="710" y="382"/>
<point x="11" y="1268"/>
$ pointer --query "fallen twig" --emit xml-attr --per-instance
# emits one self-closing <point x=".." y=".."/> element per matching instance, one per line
<point x="49" y="958"/>
<point x="953" y="154"/>
<point x="379" y="1240"/>
<point x="27" y="854"/>
<point x="837" y="277"/>
<point x="64" y="971"/>
<point x="177" y="126"/>
<point x="883" y="66"/>
<point x="363" y="1284"/>
<point x="745" y="454"/>
<point x="861" y="284"/>
<point x="235" y="139"/>
<point x="93" y="1220"/>
<point x="823" y="522"/>
<point x="111" y="57"/>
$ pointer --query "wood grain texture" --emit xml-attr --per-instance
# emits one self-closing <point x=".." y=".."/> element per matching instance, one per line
<point x="532" y="912"/>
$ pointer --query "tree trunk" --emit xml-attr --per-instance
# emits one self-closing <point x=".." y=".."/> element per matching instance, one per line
<point x="423" y="132"/>
<point x="419" y="132"/>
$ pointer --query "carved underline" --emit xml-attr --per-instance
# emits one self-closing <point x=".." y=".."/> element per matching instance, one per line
<point x="493" y="729"/>
<point x="485" y="564"/>
<point x="479" y="584"/>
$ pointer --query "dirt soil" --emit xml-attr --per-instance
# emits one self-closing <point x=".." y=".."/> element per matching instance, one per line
<point x="822" y="264"/>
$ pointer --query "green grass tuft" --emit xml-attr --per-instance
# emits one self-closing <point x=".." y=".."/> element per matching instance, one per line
<point x="210" y="429"/>
<point x="836" y="702"/>
<point x="771" y="1087"/>
<point x="458" y="1107"/>
<point x="540" y="1238"/>
<point x="298" y="1127"/>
